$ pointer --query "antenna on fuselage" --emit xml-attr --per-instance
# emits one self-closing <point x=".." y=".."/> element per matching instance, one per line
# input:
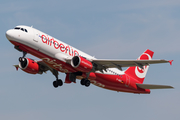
<point x="31" y="26"/>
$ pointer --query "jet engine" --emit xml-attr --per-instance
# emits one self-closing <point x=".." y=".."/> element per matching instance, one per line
<point x="28" y="65"/>
<point x="81" y="64"/>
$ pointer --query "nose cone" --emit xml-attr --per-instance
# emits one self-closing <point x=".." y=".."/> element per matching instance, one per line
<point x="9" y="35"/>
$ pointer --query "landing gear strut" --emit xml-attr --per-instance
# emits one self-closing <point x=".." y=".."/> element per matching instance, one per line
<point x="58" y="82"/>
<point x="22" y="58"/>
<point x="85" y="81"/>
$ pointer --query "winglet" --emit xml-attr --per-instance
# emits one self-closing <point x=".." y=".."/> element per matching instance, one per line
<point x="170" y="61"/>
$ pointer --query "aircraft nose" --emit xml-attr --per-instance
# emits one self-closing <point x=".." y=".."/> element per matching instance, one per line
<point x="9" y="34"/>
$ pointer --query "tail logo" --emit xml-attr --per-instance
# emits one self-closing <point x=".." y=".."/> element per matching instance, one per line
<point x="140" y="70"/>
<point x="141" y="73"/>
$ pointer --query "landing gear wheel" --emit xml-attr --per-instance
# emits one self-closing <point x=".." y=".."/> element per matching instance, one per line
<point x="60" y="82"/>
<point x="23" y="57"/>
<point x="83" y="81"/>
<point x="57" y="83"/>
<point x="87" y="83"/>
<point x="20" y="59"/>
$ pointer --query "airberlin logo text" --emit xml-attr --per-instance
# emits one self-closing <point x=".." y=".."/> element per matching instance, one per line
<point x="66" y="49"/>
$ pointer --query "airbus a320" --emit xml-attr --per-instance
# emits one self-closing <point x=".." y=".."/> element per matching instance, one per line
<point x="57" y="56"/>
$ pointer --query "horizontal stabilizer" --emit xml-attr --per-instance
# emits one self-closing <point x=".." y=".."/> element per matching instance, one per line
<point x="150" y="86"/>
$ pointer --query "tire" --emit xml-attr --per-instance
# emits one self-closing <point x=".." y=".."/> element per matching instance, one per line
<point x="83" y="81"/>
<point x="55" y="84"/>
<point x="87" y="83"/>
<point x="60" y="82"/>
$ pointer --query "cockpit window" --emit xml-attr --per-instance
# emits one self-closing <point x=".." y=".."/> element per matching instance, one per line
<point x="26" y="30"/>
<point x="18" y="28"/>
<point x="22" y="29"/>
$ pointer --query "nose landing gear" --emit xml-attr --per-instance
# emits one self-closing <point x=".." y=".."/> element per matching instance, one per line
<point x="22" y="58"/>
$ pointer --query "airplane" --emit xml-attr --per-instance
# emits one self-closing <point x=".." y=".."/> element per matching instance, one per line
<point x="57" y="56"/>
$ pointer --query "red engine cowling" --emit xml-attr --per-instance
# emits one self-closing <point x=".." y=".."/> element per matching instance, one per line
<point x="28" y="65"/>
<point x="81" y="64"/>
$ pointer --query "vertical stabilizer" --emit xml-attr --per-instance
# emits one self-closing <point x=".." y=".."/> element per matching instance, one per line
<point x="137" y="72"/>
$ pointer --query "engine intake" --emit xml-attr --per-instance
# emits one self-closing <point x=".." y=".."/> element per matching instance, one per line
<point x="81" y="64"/>
<point x="28" y="65"/>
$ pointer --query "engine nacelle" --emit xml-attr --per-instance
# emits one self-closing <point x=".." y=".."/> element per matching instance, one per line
<point x="81" y="64"/>
<point x="28" y="65"/>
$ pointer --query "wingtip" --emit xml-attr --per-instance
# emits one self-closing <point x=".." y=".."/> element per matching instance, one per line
<point x="170" y="62"/>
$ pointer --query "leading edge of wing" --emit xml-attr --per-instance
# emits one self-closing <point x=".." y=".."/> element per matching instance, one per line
<point x="151" y="86"/>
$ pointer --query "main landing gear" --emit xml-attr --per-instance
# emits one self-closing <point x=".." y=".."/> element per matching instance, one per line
<point x="72" y="77"/>
<point x="85" y="82"/>
<point x="58" y="82"/>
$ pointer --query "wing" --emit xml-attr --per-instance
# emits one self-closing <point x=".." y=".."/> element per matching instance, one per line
<point x="104" y="63"/>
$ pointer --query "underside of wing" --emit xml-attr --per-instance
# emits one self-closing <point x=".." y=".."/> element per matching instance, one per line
<point x="44" y="66"/>
<point x="150" y="86"/>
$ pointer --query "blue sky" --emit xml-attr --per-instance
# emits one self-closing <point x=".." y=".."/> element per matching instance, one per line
<point x="105" y="29"/>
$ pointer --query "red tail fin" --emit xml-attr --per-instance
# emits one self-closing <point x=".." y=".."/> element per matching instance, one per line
<point x="138" y="73"/>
